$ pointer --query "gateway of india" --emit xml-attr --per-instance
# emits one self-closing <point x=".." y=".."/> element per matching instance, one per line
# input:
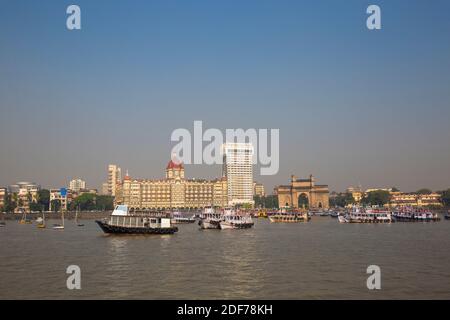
<point x="303" y="193"/>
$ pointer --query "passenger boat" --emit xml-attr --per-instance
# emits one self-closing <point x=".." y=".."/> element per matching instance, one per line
<point x="334" y="214"/>
<point x="209" y="219"/>
<point x="122" y="222"/>
<point x="414" y="215"/>
<point x="233" y="220"/>
<point x="290" y="216"/>
<point x="177" y="217"/>
<point x="369" y="215"/>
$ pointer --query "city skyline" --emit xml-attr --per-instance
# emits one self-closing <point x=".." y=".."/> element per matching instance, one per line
<point x="354" y="107"/>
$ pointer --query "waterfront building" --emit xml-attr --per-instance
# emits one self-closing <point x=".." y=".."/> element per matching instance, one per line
<point x="258" y="189"/>
<point x="238" y="170"/>
<point x="174" y="191"/>
<point x="77" y="184"/>
<point x="25" y="193"/>
<point x="114" y="178"/>
<point x="55" y="194"/>
<point x="400" y="199"/>
<point x="2" y="197"/>
<point x="303" y="193"/>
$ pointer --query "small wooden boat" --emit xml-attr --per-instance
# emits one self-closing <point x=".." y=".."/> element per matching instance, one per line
<point x="59" y="226"/>
<point x="24" y="219"/>
<point x="41" y="222"/>
<point x="76" y="220"/>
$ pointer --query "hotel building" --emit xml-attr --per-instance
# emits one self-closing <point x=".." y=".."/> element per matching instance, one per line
<point x="238" y="170"/>
<point x="174" y="191"/>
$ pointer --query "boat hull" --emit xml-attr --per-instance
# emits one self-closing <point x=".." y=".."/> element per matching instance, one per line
<point x="107" y="228"/>
<point x="209" y="224"/>
<point x="226" y="225"/>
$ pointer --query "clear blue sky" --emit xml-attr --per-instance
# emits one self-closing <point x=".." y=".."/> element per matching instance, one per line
<point x="353" y="106"/>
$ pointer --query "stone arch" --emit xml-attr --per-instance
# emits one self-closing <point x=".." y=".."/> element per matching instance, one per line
<point x="303" y="200"/>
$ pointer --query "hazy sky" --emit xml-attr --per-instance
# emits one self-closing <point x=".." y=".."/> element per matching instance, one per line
<point x="353" y="106"/>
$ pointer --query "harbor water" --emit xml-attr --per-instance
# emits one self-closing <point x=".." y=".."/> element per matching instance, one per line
<point x="321" y="259"/>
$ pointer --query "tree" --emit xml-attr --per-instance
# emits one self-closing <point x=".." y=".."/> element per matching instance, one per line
<point x="10" y="204"/>
<point x="445" y="197"/>
<point x="341" y="200"/>
<point x="84" y="202"/>
<point x="376" y="198"/>
<point x="43" y="198"/>
<point x="56" y="205"/>
<point x="424" y="191"/>
<point x="104" y="202"/>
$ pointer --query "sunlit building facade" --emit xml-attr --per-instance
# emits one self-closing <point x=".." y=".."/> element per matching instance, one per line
<point x="174" y="191"/>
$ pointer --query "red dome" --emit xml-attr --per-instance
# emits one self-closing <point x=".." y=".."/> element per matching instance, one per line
<point x="173" y="165"/>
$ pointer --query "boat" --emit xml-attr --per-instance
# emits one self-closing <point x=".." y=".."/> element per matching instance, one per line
<point x="24" y="219"/>
<point x="447" y="215"/>
<point x="209" y="219"/>
<point x="60" y="226"/>
<point x="334" y="214"/>
<point x="290" y="216"/>
<point x="233" y="220"/>
<point x="366" y="215"/>
<point x="177" y="218"/>
<point x="41" y="222"/>
<point x="76" y="220"/>
<point x="408" y="214"/>
<point x="122" y="221"/>
<point x="2" y="224"/>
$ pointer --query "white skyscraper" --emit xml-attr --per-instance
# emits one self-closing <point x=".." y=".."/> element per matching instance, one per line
<point x="238" y="169"/>
<point x="114" y="177"/>
<point x="77" y="184"/>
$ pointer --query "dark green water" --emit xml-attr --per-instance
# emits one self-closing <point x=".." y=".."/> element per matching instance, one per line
<point x="321" y="259"/>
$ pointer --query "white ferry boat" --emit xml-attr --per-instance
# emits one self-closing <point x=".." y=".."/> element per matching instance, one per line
<point x="412" y="215"/>
<point x="233" y="220"/>
<point x="289" y="216"/>
<point x="178" y="217"/>
<point x="122" y="222"/>
<point x="209" y="219"/>
<point x="369" y="215"/>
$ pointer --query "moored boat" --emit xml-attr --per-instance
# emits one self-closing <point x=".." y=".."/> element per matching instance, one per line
<point x="122" y="222"/>
<point x="447" y="215"/>
<point x="233" y="220"/>
<point x="177" y="217"/>
<point x="366" y="215"/>
<point x="414" y="215"/>
<point x="290" y="216"/>
<point x="210" y="219"/>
